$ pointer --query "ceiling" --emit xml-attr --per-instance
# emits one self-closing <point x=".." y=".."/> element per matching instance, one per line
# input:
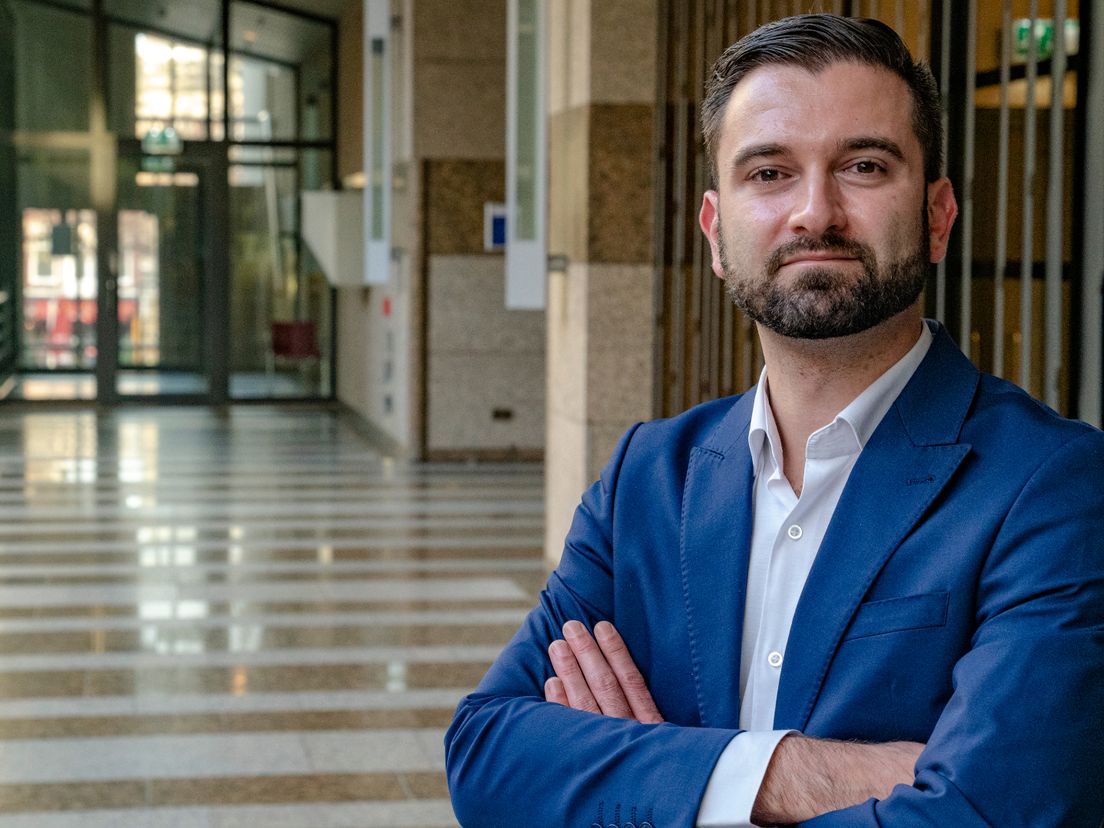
<point x="260" y="29"/>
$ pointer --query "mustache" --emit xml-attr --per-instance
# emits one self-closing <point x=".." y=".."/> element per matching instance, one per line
<point x="829" y="242"/>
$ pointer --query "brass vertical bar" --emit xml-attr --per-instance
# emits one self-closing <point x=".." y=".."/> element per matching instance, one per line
<point x="1027" y="251"/>
<point x="1000" y="257"/>
<point x="1055" y="209"/>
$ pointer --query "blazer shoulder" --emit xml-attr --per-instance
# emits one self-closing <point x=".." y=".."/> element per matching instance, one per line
<point x="713" y="425"/>
<point x="1006" y="412"/>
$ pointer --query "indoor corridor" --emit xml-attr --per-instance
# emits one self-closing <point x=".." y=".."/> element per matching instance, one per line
<point x="247" y="618"/>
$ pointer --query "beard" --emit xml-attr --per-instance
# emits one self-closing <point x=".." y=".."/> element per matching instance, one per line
<point x="821" y="303"/>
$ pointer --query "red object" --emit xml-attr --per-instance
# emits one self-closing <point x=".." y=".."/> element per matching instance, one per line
<point x="386" y="306"/>
<point x="294" y="340"/>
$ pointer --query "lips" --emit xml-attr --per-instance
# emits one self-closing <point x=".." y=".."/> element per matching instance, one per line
<point x="818" y="257"/>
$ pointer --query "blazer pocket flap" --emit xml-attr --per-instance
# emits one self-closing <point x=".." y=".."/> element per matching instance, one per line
<point x="912" y="612"/>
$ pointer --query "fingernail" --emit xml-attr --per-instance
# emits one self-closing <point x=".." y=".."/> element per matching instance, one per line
<point x="573" y="629"/>
<point x="603" y="630"/>
<point x="558" y="648"/>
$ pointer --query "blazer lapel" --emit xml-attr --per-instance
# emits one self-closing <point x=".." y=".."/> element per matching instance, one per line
<point x="714" y="547"/>
<point x="909" y="459"/>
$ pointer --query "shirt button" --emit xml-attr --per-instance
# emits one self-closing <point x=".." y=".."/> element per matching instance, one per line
<point x="794" y="532"/>
<point x="775" y="659"/>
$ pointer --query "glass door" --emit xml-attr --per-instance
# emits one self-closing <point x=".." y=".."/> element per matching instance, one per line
<point x="169" y="331"/>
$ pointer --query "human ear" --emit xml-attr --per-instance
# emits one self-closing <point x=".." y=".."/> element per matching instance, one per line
<point x="709" y="218"/>
<point x="942" y="209"/>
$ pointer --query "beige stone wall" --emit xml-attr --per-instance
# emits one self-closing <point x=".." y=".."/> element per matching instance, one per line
<point x="485" y="377"/>
<point x="460" y="79"/>
<point x="449" y="366"/>
<point x="600" y="310"/>
<point x="486" y="381"/>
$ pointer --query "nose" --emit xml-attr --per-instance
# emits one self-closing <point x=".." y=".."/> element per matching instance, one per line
<point x="818" y="208"/>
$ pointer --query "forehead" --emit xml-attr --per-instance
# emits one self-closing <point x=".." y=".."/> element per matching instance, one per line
<point x="794" y="107"/>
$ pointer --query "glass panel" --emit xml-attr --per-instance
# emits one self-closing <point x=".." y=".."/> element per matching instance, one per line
<point x="281" y="65"/>
<point x="170" y="86"/>
<point x="121" y="79"/>
<point x="164" y="67"/>
<point x="526" y="124"/>
<point x="9" y="231"/>
<point x="216" y="69"/>
<point x="379" y="178"/>
<point x="316" y="95"/>
<point x="280" y="300"/>
<point x="58" y="259"/>
<point x="53" y="67"/>
<point x="316" y="170"/>
<point x="59" y="288"/>
<point x="262" y="100"/>
<point x="265" y="156"/>
<point x="160" y="282"/>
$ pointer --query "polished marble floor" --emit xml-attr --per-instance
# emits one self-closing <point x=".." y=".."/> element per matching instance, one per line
<point x="244" y="385"/>
<point x="243" y="618"/>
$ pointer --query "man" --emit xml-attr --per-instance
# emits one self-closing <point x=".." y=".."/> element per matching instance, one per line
<point x="870" y="592"/>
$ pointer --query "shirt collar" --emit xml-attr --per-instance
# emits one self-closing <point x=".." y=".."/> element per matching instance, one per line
<point x="854" y="424"/>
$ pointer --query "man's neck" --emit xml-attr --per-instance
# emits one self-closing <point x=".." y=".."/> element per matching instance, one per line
<point x="811" y="380"/>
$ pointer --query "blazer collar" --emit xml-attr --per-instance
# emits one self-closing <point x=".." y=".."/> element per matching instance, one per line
<point x="907" y="462"/>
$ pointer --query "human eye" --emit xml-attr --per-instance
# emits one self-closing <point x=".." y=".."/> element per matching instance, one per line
<point x="766" y="175"/>
<point x="868" y="167"/>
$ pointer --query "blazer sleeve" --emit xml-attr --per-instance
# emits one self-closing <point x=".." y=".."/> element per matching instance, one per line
<point x="514" y="759"/>
<point x="1019" y="744"/>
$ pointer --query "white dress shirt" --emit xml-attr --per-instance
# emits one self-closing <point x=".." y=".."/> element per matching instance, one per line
<point x="786" y="533"/>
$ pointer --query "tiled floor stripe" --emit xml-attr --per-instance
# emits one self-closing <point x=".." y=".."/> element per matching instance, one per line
<point x="270" y="621"/>
<point x="423" y="813"/>
<point x="166" y="571"/>
<point x="475" y="589"/>
<point x="320" y="788"/>
<point x="497" y="539"/>
<point x="196" y="703"/>
<point x="179" y="657"/>
<point x="212" y="755"/>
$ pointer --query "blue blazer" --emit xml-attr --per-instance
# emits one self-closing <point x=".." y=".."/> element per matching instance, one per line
<point x="957" y="600"/>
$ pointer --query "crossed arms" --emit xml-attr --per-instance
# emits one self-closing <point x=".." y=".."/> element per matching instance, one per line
<point x="806" y="777"/>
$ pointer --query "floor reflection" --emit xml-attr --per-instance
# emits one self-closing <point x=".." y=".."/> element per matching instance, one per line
<point x="206" y="602"/>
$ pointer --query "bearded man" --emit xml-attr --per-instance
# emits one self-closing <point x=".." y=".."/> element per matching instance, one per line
<point x="869" y="591"/>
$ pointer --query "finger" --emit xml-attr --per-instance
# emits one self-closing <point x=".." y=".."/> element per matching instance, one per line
<point x="554" y="691"/>
<point x="571" y="676"/>
<point x="629" y="678"/>
<point x="600" y="678"/>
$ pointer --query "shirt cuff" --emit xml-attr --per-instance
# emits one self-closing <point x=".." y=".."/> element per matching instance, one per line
<point x="736" y="779"/>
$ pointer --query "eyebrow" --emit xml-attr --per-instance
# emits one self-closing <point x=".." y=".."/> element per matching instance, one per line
<point x="757" y="151"/>
<point x="862" y="142"/>
<point x="874" y="143"/>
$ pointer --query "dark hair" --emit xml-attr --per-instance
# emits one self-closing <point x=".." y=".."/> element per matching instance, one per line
<point x="813" y="42"/>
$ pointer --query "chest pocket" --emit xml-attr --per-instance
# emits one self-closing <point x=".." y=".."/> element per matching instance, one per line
<point x="913" y="612"/>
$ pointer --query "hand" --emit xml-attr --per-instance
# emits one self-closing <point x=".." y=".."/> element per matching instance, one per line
<point x="598" y="677"/>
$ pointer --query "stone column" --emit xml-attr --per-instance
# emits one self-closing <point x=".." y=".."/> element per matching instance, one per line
<point x="600" y="307"/>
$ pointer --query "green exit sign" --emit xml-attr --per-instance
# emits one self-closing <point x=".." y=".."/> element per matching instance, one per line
<point x="1044" y="38"/>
